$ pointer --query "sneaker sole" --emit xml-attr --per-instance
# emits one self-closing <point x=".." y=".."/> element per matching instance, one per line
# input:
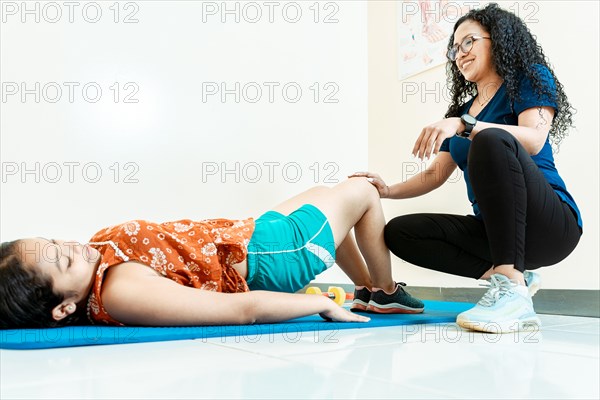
<point x="393" y="308"/>
<point x="515" y="325"/>
<point x="359" y="305"/>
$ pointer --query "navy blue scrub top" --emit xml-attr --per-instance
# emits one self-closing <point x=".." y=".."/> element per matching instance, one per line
<point x="498" y="111"/>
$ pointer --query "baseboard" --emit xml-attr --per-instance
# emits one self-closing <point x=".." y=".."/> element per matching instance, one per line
<point x="580" y="303"/>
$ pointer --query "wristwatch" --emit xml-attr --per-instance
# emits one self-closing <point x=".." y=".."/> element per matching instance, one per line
<point x="469" y="122"/>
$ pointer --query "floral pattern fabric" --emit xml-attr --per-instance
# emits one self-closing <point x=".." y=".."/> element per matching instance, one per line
<point x="199" y="254"/>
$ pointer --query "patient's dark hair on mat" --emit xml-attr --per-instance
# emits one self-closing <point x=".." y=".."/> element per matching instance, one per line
<point x="26" y="298"/>
<point x="514" y="52"/>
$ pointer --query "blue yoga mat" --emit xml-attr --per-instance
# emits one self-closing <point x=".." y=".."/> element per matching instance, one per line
<point x="435" y="312"/>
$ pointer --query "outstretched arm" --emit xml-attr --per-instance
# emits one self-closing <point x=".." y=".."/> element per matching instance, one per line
<point x="433" y="177"/>
<point x="134" y="297"/>
<point x="532" y="130"/>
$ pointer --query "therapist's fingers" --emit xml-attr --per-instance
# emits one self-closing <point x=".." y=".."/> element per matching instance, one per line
<point x="367" y="175"/>
<point x="430" y="145"/>
<point x="380" y="185"/>
<point x="427" y="142"/>
<point x="417" y="146"/>
<point x="420" y="150"/>
<point x="375" y="180"/>
<point x="359" y="174"/>
<point x="438" y="145"/>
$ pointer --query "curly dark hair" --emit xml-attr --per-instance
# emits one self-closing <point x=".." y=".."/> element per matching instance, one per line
<point x="27" y="298"/>
<point x="514" y="52"/>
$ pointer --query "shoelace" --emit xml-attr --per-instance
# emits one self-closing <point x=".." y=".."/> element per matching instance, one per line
<point x="400" y="284"/>
<point x="497" y="289"/>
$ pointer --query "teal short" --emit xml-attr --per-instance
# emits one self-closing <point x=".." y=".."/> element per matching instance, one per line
<point x="285" y="253"/>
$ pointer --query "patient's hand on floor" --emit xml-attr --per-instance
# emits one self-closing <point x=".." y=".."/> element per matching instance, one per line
<point x="339" y="314"/>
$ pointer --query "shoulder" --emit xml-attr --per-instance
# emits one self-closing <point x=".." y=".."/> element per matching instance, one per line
<point x="127" y="273"/>
<point x="131" y="268"/>
<point x="125" y="277"/>
<point x="541" y="70"/>
<point x="537" y="88"/>
<point x="538" y="73"/>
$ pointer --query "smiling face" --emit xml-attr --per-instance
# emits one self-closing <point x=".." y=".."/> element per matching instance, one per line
<point x="70" y="265"/>
<point x="476" y="65"/>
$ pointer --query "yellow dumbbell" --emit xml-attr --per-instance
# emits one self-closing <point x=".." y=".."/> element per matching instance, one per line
<point x="335" y="293"/>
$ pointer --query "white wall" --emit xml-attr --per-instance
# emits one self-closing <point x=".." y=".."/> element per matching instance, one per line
<point x="568" y="33"/>
<point x="170" y="134"/>
<point x="172" y="146"/>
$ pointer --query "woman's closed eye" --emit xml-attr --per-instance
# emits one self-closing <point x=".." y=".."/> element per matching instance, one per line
<point x="59" y="254"/>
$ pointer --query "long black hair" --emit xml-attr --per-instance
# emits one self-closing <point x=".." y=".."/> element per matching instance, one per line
<point x="514" y="52"/>
<point x="26" y="297"/>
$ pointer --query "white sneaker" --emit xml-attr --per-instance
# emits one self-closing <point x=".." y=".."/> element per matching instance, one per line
<point x="533" y="280"/>
<point x="505" y="307"/>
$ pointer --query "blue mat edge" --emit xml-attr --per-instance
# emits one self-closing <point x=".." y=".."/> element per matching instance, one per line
<point x="91" y="335"/>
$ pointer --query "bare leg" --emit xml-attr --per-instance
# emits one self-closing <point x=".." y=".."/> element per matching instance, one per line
<point x="349" y="259"/>
<point x="488" y="273"/>
<point x="353" y="203"/>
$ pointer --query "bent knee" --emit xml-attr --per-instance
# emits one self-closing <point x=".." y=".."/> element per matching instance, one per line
<point x="400" y="227"/>
<point x="491" y="137"/>
<point x="395" y="237"/>
<point x="364" y="188"/>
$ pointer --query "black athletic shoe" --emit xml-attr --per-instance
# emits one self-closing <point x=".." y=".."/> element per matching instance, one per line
<point x="399" y="302"/>
<point x="361" y="299"/>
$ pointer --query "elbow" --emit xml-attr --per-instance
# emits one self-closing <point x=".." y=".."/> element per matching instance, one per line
<point x="539" y="141"/>
<point x="534" y="152"/>
<point x="535" y="148"/>
<point x="249" y="311"/>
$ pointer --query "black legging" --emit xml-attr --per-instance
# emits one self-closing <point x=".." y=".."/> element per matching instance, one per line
<point x="525" y="223"/>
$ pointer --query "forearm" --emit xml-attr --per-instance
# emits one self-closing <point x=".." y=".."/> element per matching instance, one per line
<point x="532" y="139"/>
<point x="418" y="185"/>
<point x="430" y="179"/>
<point x="267" y="307"/>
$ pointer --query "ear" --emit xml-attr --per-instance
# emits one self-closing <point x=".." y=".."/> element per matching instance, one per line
<point x="63" y="310"/>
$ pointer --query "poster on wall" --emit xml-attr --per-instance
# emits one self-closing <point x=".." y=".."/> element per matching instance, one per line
<point x="424" y="28"/>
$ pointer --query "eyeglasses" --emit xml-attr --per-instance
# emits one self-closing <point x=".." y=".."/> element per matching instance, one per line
<point x="465" y="46"/>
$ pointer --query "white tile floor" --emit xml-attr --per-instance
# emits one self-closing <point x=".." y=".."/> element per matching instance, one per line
<point x="424" y="361"/>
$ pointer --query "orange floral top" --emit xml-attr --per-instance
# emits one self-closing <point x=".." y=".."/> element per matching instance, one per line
<point x="199" y="254"/>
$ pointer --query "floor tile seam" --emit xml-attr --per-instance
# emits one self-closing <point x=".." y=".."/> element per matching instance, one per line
<point x="569" y="331"/>
<point x="281" y="357"/>
<point x="286" y="359"/>
<point x="367" y="346"/>
<point x="363" y="346"/>
<point x="566" y="324"/>
<point x="335" y="370"/>
<point x="562" y="353"/>
<point x="257" y="353"/>
<point x="424" y="389"/>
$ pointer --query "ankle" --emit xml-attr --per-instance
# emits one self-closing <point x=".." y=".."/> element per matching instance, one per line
<point x="387" y="290"/>
<point x="364" y="282"/>
<point x="511" y="273"/>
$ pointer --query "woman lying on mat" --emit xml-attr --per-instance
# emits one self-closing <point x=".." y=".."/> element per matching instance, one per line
<point x="506" y="105"/>
<point x="208" y="272"/>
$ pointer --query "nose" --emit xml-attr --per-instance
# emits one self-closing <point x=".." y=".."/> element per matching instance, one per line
<point x="460" y="53"/>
